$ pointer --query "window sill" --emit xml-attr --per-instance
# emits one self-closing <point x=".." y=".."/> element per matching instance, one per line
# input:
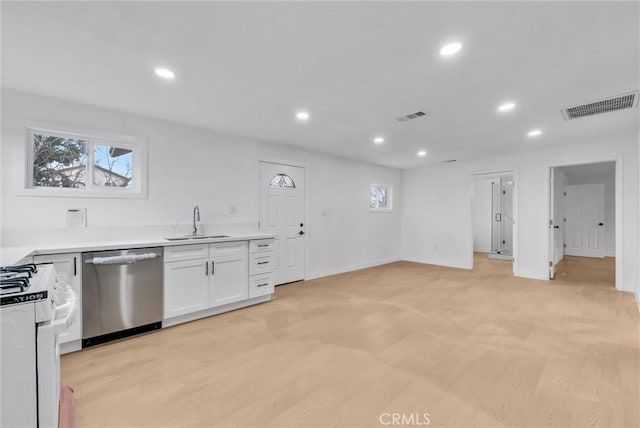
<point x="71" y="193"/>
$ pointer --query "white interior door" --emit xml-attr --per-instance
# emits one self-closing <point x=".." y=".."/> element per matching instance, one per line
<point x="585" y="220"/>
<point x="557" y="189"/>
<point x="282" y="214"/>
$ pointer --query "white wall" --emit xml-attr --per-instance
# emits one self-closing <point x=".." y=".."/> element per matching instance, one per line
<point x="437" y="218"/>
<point x="481" y="214"/>
<point x="610" y="216"/>
<point x="189" y="166"/>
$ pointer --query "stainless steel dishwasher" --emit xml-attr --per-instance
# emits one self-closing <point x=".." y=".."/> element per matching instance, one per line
<point x="121" y="293"/>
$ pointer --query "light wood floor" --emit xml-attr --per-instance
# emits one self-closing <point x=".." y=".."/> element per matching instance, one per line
<point x="471" y="348"/>
<point x="587" y="271"/>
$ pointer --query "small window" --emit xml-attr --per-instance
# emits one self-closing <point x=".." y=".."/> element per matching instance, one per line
<point x="112" y="166"/>
<point x="380" y="198"/>
<point x="282" y="180"/>
<point x="61" y="164"/>
<point x="59" y="161"/>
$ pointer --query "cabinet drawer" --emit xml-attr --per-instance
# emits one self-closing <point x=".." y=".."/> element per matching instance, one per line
<point x="186" y="252"/>
<point x="223" y="249"/>
<point x="260" y="285"/>
<point x="261" y="263"/>
<point x="260" y="245"/>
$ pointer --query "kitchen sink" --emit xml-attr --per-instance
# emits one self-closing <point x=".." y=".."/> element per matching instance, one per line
<point x="190" y="237"/>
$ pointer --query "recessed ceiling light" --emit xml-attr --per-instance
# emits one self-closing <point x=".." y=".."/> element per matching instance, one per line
<point x="534" y="133"/>
<point x="422" y="153"/>
<point x="450" y="48"/>
<point x="302" y="115"/>
<point x="165" y="73"/>
<point x="378" y="140"/>
<point x="506" y="107"/>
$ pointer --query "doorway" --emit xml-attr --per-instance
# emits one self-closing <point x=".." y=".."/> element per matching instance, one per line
<point x="493" y="217"/>
<point x="582" y="223"/>
<point x="502" y="218"/>
<point x="281" y="213"/>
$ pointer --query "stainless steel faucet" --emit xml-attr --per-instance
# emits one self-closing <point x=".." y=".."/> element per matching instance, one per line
<point x="196" y="217"/>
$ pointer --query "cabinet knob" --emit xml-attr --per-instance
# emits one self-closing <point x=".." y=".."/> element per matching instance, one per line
<point x="301" y="232"/>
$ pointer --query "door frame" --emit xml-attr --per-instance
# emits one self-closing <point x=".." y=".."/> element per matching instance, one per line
<point x="619" y="205"/>
<point x="514" y="173"/>
<point x="256" y="199"/>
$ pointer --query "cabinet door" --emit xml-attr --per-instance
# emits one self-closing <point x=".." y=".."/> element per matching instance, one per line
<point x="70" y="265"/>
<point x="186" y="287"/>
<point x="230" y="273"/>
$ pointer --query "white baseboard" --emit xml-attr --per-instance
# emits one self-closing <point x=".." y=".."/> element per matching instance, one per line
<point x="445" y="263"/>
<point x="350" y="268"/>
<point x="533" y="274"/>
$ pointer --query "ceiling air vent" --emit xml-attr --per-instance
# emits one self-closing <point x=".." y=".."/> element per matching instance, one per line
<point x="620" y="102"/>
<point x="411" y="116"/>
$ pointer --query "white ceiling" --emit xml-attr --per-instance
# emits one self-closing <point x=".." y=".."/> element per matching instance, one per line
<point x="246" y="68"/>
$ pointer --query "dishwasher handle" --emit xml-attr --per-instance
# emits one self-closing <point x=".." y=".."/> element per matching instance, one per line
<point x="126" y="259"/>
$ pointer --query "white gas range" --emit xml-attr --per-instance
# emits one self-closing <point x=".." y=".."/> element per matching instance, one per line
<point x="36" y="306"/>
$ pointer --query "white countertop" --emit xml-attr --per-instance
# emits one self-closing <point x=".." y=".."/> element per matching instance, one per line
<point x="15" y="255"/>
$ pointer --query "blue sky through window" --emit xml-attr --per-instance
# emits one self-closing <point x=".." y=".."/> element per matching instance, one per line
<point x="121" y="164"/>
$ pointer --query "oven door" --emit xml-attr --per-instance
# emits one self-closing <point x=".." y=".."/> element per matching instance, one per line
<point x="48" y="359"/>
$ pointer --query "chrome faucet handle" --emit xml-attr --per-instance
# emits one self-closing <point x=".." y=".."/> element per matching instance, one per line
<point x="196" y="217"/>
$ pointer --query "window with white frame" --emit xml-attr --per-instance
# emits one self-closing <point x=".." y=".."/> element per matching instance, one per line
<point x="380" y="198"/>
<point x="64" y="164"/>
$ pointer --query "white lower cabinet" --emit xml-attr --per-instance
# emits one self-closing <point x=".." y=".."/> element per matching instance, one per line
<point x="261" y="260"/>
<point x="71" y="267"/>
<point x="260" y="285"/>
<point x="198" y="283"/>
<point x="186" y="287"/>
<point x="229" y="273"/>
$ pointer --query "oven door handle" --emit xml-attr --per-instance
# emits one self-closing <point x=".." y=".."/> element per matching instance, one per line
<point x="65" y="314"/>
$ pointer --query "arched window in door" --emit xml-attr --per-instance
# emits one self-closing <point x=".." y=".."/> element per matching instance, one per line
<point x="282" y="180"/>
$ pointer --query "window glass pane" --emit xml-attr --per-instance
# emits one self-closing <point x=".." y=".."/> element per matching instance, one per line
<point x="113" y="166"/>
<point x="382" y="197"/>
<point x="373" y="192"/>
<point x="282" y="180"/>
<point x="59" y="161"/>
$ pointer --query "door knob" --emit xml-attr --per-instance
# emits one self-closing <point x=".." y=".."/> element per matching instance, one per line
<point x="600" y="224"/>
<point x="556" y="227"/>
<point x="301" y="232"/>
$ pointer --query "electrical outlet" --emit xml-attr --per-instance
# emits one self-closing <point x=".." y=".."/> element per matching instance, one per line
<point x="77" y="217"/>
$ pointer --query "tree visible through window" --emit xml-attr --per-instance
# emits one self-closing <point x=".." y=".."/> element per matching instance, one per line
<point x="58" y="161"/>
<point x="65" y="161"/>
<point x="379" y="198"/>
<point x="112" y="166"/>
